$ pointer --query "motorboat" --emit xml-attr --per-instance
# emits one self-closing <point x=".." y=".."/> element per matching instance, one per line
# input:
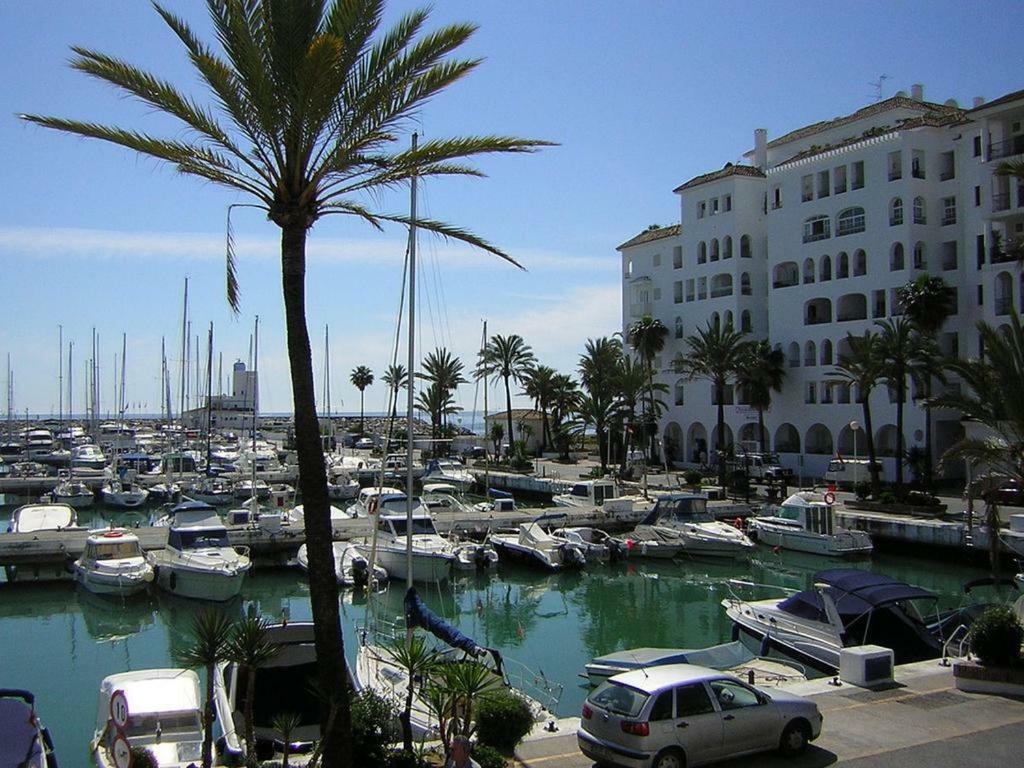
<point x="396" y="469"/>
<point x="297" y="514"/>
<point x="448" y="471"/>
<point x="163" y="711"/>
<point x="70" y="491"/>
<point x="848" y="607"/>
<point x="685" y="517"/>
<point x="733" y="657"/>
<point x="211" y="490"/>
<point x="341" y="486"/>
<point x="532" y="545"/>
<point x="284" y="683"/>
<point x="432" y="555"/>
<point x="596" y="545"/>
<point x="806" y="523"/>
<point x="587" y="493"/>
<point x="25" y="743"/>
<point x="199" y="561"/>
<point x="88" y="456"/>
<point x="243" y="489"/>
<point x="376" y="497"/>
<point x="124" y="492"/>
<point x="34" y="518"/>
<point x="351" y="567"/>
<point x="113" y="563"/>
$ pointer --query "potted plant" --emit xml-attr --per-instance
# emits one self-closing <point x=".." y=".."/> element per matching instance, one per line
<point x="995" y="638"/>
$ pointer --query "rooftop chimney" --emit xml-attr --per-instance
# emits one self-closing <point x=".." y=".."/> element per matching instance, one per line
<point x="978" y="101"/>
<point x="917" y="92"/>
<point x="761" y="148"/>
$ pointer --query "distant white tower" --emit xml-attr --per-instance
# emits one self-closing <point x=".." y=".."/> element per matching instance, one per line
<point x="245" y="386"/>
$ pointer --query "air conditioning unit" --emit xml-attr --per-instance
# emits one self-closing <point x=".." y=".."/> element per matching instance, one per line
<point x="866" y="665"/>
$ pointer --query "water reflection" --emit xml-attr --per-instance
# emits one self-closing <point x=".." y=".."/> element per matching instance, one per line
<point x="108" y="619"/>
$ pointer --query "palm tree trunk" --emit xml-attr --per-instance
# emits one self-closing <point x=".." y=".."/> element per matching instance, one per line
<point x="899" y="441"/>
<point x="508" y="414"/>
<point x="760" y="430"/>
<point x="362" y="420"/>
<point x="928" y="433"/>
<point x="720" y="440"/>
<point x="207" y="754"/>
<point x="323" y="587"/>
<point x="870" y="434"/>
<point x="250" y="726"/>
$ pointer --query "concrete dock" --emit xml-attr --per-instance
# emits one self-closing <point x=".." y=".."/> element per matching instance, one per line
<point x="920" y="721"/>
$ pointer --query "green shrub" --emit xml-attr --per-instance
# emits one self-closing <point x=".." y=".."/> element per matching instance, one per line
<point x="996" y="637"/>
<point x="374" y="727"/>
<point x="488" y="757"/>
<point x="395" y="758"/>
<point x="143" y="758"/>
<point x="692" y="477"/>
<point x="862" y="489"/>
<point x="503" y="719"/>
<point x="922" y="499"/>
<point x="887" y="497"/>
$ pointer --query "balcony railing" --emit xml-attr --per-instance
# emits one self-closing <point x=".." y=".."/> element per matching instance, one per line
<point x="1008" y="148"/>
<point x="776" y="204"/>
<point x="1001" y="202"/>
<point x="917" y="173"/>
<point x="717" y="293"/>
<point x="895" y="174"/>
<point x="815" y="236"/>
<point x="787" y="283"/>
<point x="947" y="175"/>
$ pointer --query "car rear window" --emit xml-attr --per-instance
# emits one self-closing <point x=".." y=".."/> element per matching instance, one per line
<point x="619" y="699"/>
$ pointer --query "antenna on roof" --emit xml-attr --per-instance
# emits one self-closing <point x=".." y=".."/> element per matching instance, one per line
<point x="877" y="85"/>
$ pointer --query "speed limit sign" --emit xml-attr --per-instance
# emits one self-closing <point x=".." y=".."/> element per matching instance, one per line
<point x="119" y="709"/>
<point x="121" y="751"/>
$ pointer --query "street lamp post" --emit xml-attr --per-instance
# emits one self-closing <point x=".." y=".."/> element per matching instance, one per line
<point x="854" y="426"/>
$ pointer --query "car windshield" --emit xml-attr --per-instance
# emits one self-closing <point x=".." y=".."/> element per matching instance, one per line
<point x="618" y="698"/>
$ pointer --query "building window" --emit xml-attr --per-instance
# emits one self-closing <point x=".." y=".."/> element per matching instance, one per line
<point x="808" y="271"/>
<point x="677" y="257"/>
<point x="702" y="208"/>
<point x="896" y="260"/>
<point x="947" y="166"/>
<point x="714" y="206"/>
<point x="878" y="304"/>
<point x="839" y="180"/>
<point x="977" y="145"/>
<point x="948" y="211"/>
<point x="702" y="288"/>
<point x="860" y="263"/>
<point x="817" y="228"/>
<point x="981" y="296"/>
<point x="629" y="268"/>
<point x="917" y="164"/>
<point x="920" y="213"/>
<point x="776" y="197"/>
<point x="812" y="393"/>
<point x="745" y="284"/>
<point x="825" y="270"/>
<point x="806" y="188"/>
<point x="677" y="292"/>
<point x="714" y="249"/>
<point x="689" y="289"/>
<point x="826" y="352"/>
<point x="657" y="294"/>
<point x="656" y="260"/>
<point x="896" y="212"/>
<point x="727" y="204"/>
<point x="679" y="327"/>
<point x="745" y="252"/>
<point x="920" y="256"/>
<point x="810" y="355"/>
<point x="745" y="324"/>
<point x="823" y="190"/>
<point x="727" y="247"/>
<point x="949" y="255"/>
<point x="842" y="265"/>
<point x="895" y="166"/>
<point x="702" y="252"/>
<point x="857" y="180"/>
<point x="850" y="221"/>
<point x="679" y="392"/>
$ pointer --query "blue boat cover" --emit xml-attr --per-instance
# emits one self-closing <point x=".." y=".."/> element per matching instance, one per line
<point x="854" y="592"/>
<point x="418" y="615"/>
<point x="191" y="506"/>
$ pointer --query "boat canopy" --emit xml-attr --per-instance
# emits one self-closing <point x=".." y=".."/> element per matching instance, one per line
<point x="418" y="615"/>
<point x="854" y="593"/>
<point x="686" y="507"/>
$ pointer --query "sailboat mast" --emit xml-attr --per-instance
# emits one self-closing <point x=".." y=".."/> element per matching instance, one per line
<point x="209" y="400"/>
<point x="122" y="406"/>
<point x="487" y="464"/>
<point x="60" y="379"/>
<point x="412" y="381"/>
<point x="255" y="385"/>
<point x="184" y="337"/>
<point x="71" y="406"/>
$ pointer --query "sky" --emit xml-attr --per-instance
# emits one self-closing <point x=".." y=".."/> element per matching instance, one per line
<point x="639" y="97"/>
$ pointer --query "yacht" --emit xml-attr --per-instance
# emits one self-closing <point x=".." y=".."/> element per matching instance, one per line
<point x="375" y="497"/>
<point x="653" y="542"/>
<point x="351" y="568"/>
<point x="297" y="514"/>
<point x="199" y="561"/>
<point x="587" y="493"/>
<point x="341" y="486"/>
<point x="211" y="490"/>
<point x="243" y="489"/>
<point x="70" y="491"/>
<point x="113" y="563"/>
<point x="596" y="545"/>
<point x="164" y="716"/>
<point x="685" y="517"/>
<point x="25" y="743"/>
<point x="847" y="607"/>
<point x="32" y="518"/>
<point x="125" y="493"/>
<point x="432" y="555"/>
<point x="533" y="546"/>
<point x="806" y="523"/>
<point x="88" y="456"/>
<point x="448" y="471"/>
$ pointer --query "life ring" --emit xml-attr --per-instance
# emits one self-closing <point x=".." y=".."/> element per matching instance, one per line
<point x="830" y="498"/>
<point x="113" y="534"/>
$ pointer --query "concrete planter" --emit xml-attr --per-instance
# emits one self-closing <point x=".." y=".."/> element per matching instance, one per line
<point x="937" y="510"/>
<point x="973" y="677"/>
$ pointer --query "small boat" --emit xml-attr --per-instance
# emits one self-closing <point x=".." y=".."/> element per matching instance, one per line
<point x="341" y="486"/>
<point x="88" y="456"/>
<point x="113" y="563"/>
<point x="733" y="657"/>
<point x="596" y="545"/>
<point x="211" y="490"/>
<point x="297" y="514"/>
<point x="124" y="492"/>
<point x="24" y="742"/>
<point x="351" y="568"/>
<point x="806" y="523"/>
<point x="374" y="497"/>
<point x="653" y="542"/>
<point x="199" y="561"/>
<point x="33" y="518"/>
<point x="450" y="472"/>
<point x="243" y="490"/>
<point x="432" y="555"/>
<point x="533" y="546"/>
<point x="685" y="516"/>
<point x="164" y="716"/>
<point x="72" y="492"/>
<point x="587" y="493"/>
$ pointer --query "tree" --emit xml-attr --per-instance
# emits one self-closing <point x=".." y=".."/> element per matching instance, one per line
<point x="444" y="370"/>
<point x="761" y="372"/>
<point x="211" y="631"/>
<point x="630" y="383"/>
<point x="361" y="378"/>
<point x="861" y="368"/>
<point x="717" y="353"/>
<point x="436" y="401"/>
<point x="565" y="397"/>
<point x="539" y="387"/>
<point x="510" y="358"/>
<point x="497" y="434"/>
<point x="250" y="646"/>
<point x="307" y="99"/>
<point x="927" y="302"/>
<point x="599" y="367"/>
<point x="898" y="346"/>
<point x="396" y="377"/>
<point x="418" y="660"/>
<point x="647" y="337"/>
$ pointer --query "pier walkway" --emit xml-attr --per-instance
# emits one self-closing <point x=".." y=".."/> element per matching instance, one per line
<point x="921" y="721"/>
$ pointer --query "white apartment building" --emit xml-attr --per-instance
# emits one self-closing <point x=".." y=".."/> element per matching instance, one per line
<point x="809" y="242"/>
<point x="235" y="412"/>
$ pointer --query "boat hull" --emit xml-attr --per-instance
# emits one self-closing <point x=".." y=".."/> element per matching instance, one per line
<point x="122" y="584"/>
<point x="216" y="586"/>
<point x="803" y="541"/>
<point x="430" y="567"/>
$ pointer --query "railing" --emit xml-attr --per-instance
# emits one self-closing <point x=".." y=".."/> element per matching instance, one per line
<point x="776" y="204"/>
<point x="947" y="175"/>
<point x="1003" y="305"/>
<point x="785" y="283"/>
<point x="895" y="174"/>
<point x="817" y="320"/>
<point x="1007" y="148"/>
<point x="815" y="236"/>
<point x="948" y="219"/>
<point x="1001" y="202"/>
<point x="717" y="293"/>
<point x="957" y="645"/>
<point x="917" y="173"/>
<point x="850" y="228"/>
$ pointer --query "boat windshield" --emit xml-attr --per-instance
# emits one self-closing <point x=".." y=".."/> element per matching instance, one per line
<point x="146" y="724"/>
<point x="690" y="509"/>
<point x="420" y="526"/>
<point x="198" y="539"/>
<point x="116" y="550"/>
<point x="619" y="698"/>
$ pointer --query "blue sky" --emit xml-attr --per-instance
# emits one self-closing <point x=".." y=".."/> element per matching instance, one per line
<point x="640" y="96"/>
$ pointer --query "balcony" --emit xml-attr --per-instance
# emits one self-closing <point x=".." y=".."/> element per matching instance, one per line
<point x="776" y="204"/>
<point x="1001" y="202"/>
<point x="1003" y="305"/>
<point x="1008" y="148"/>
<point x="895" y="174"/>
<point x="717" y="293"/>
<point x="947" y="175"/>
<point x="948" y="218"/>
<point x="814" y="237"/>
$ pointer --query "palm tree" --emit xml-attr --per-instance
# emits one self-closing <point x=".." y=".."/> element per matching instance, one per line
<point x="862" y="368"/>
<point x="250" y="646"/>
<point x="597" y="409"/>
<point x="396" y="377"/>
<point x="647" y="337"/>
<point x="418" y="660"/>
<point x="898" y="349"/>
<point x="630" y="383"/>
<point x="445" y="370"/>
<point x="436" y="401"/>
<point x="211" y="631"/>
<point x="307" y="98"/>
<point x="762" y="373"/>
<point x="511" y="358"/>
<point x="599" y="367"/>
<point x="361" y="378"/>
<point x="538" y="387"/>
<point x="565" y="397"/>
<point x="717" y="353"/>
<point x="927" y="302"/>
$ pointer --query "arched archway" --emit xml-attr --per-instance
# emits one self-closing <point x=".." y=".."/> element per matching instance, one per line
<point x="885" y="440"/>
<point x="818" y="440"/>
<point x="787" y="439"/>
<point x="727" y="442"/>
<point x="826" y="352"/>
<point x="697" y="443"/>
<point x="672" y="443"/>
<point x="748" y="433"/>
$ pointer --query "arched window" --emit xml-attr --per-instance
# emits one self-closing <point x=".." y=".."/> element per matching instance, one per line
<point x="810" y="354"/>
<point x="920" y="256"/>
<point x="745" y="284"/>
<point x="679" y="327"/>
<point x="808" y="270"/>
<point x="727" y="247"/>
<point x="817" y="228"/>
<point x="728" y="318"/>
<point x="679" y="391"/>
<point x="794" y="355"/>
<point x="745" y="324"/>
<point x="850" y="221"/>
<point x="896" y="212"/>
<point x="896" y="260"/>
<point x="920" y="213"/>
<point x="842" y="265"/>
<point x="826" y="352"/>
<point x="860" y="263"/>
<point x="715" y="322"/>
<point x="745" y="252"/>
<point x="702" y="252"/>
<point x="1004" y="293"/>
<point x="825" y="268"/>
<point x="714" y="249"/>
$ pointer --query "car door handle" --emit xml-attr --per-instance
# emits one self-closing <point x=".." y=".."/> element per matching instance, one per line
<point x="729" y="717"/>
<point x="683" y="724"/>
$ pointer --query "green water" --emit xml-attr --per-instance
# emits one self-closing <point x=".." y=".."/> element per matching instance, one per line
<point x="59" y="641"/>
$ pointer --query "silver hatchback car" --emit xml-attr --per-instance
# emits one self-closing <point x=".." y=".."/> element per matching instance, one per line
<point x="683" y="715"/>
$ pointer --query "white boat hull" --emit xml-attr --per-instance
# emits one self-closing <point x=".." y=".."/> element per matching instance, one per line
<point x="124" y="583"/>
<point x="430" y="567"/>
<point x="124" y="499"/>
<point x="199" y="584"/>
<point x="77" y="500"/>
<point x="844" y="544"/>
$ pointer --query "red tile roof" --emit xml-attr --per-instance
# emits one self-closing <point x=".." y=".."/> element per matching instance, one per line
<point x="650" y="235"/>
<point x="728" y="170"/>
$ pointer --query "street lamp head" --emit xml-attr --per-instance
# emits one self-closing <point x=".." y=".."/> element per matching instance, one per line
<point x="854" y="425"/>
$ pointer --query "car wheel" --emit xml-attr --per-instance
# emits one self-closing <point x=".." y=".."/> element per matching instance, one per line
<point x="795" y="738"/>
<point x="669" y="758"/>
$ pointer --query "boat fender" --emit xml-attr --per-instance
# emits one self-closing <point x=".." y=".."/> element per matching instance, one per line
<point x="173" y="581"/>
<point x="737" y="523"/>
<point x="830" y="498"/>
<point x="766" y="645"/>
